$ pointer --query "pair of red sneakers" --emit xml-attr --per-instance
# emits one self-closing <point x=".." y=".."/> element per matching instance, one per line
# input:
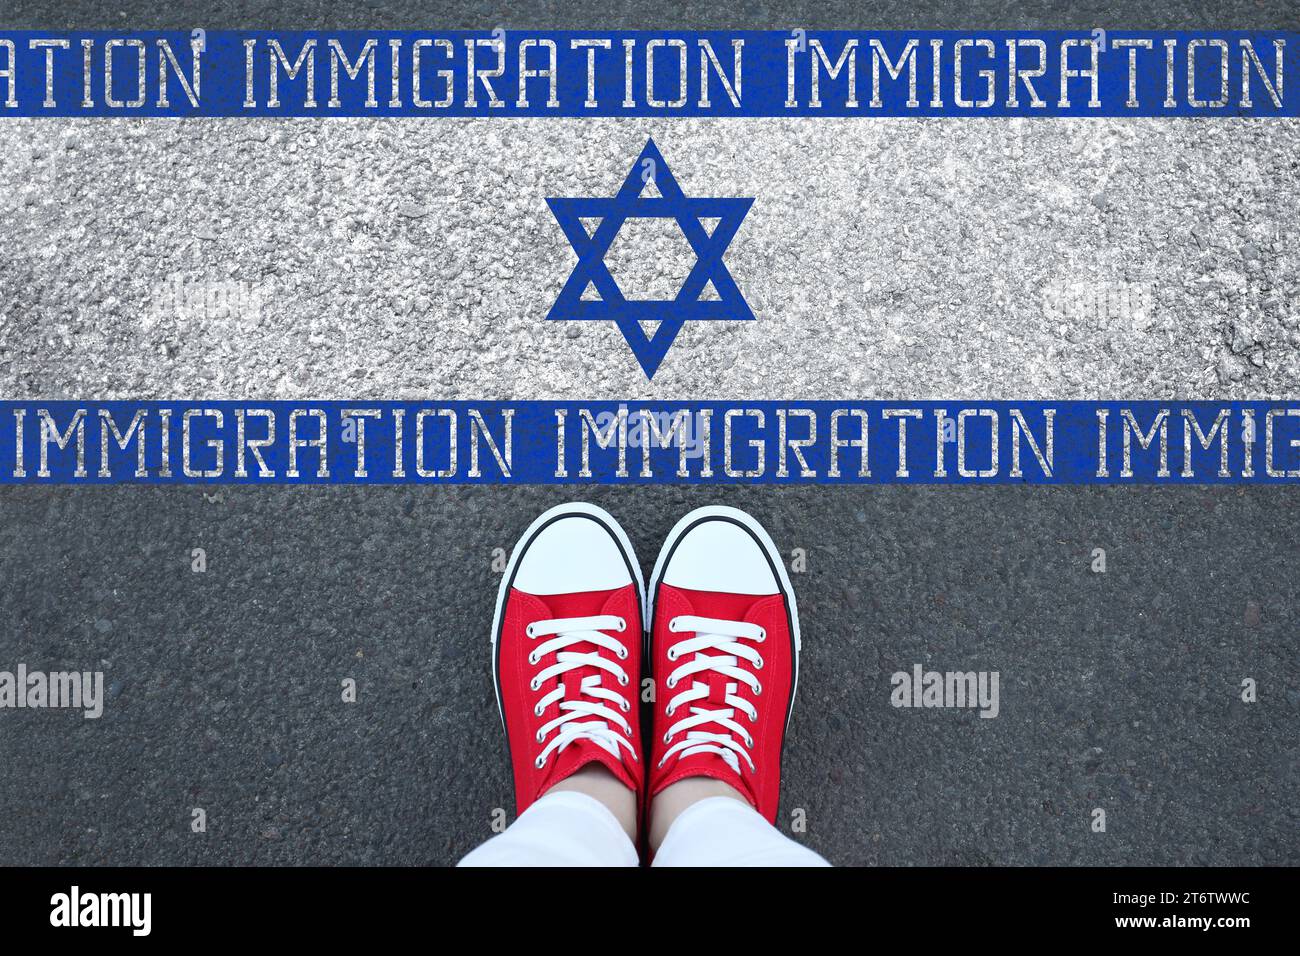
<point x="576" y="631"/>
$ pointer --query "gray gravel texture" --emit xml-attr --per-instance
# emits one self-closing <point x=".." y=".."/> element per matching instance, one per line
<point x="884" y="259"/>
<point x="1119" y="691"/>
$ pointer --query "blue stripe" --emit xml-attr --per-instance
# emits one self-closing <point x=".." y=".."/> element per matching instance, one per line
<point x="985" y="68"/>
<point x="1262" y="441"/>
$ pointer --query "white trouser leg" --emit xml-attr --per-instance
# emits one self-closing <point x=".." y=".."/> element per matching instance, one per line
<point x="560" y="829"/>
<point x="722" y="831"/>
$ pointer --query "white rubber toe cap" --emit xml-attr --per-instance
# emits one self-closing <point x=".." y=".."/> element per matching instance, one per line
<point x="571" y="554"/>
<point x="720" y="555"/>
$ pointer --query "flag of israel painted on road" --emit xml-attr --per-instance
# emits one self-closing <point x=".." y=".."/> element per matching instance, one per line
<point x="896" y="241"/>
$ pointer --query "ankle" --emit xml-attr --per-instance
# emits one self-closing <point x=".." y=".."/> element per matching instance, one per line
<point x="676" y="798"/>
<point x="597" y="782"/>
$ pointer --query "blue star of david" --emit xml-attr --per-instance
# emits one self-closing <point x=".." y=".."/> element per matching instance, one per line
<point x="671" y="314"/>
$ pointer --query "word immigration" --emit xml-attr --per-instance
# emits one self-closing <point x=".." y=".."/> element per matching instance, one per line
<point x="533" y="442"/>
<point x="529" y="73"/>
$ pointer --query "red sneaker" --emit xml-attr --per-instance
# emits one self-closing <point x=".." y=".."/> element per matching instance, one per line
<point x="724" y="652"/>
<point x="566" y="655"/>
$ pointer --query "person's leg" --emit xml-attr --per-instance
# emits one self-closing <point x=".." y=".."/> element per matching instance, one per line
<point x="566" y="663"/>
<point x="674" y="800"/>
<point x="724" y="831"/>
<point x="588" y="819"/>
<point x="724" y="651"/>
<point x="612" y="794"/>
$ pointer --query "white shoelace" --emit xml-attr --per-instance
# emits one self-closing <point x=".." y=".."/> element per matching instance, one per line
<point x="565" y="633"/>
<point x="724" y="637"/>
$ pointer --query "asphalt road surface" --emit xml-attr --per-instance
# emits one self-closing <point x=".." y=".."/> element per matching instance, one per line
<point x="1118" y="690"/>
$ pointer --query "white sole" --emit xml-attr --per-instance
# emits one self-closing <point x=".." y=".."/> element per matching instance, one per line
<point x="773" y="556"/>
<point x="546" y="517"/>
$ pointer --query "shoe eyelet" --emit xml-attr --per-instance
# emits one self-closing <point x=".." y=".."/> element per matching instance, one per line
<point x="535" y="684"/>
<point x="622" y="653"/>
<point x="758" y="690"/>
<point x="672" y="653"/>
<point x="540" y="738"/>
<point x="624" y="680"/>
<point x="672" y="625"/>
<point x="532" y="658"/>
<point x="667" y="737"/>
<point x="758" y="664"/>
<point x="670" y="683"/>
<point x="749" y="741"/>
<point x="625" y="705"/>
<point x="539" y="763"/>
<point x="529" y="631"/>
<point x="762" y="635"/>
<point x="622" y="625"/>
<point x="668" y="711"/>
<point x="538" y="711"/>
